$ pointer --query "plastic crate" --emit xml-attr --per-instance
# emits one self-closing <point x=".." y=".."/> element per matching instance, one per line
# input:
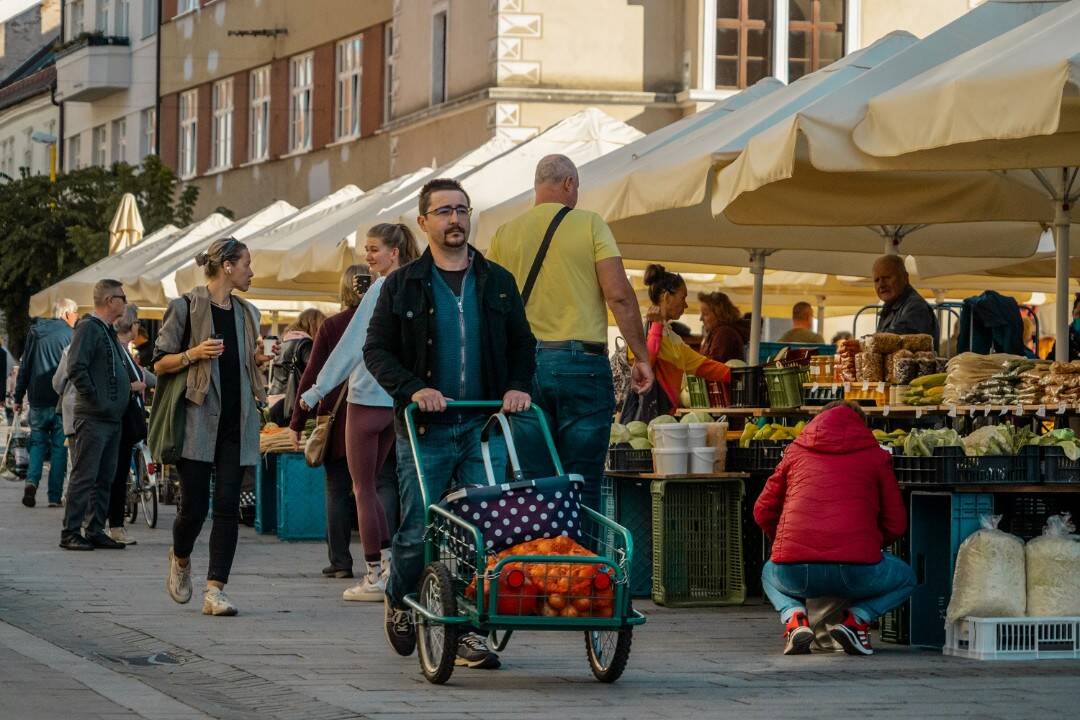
<point x="1025" y="515"/>
<point x="785" y="386"/>
<point x="301" y="499"/>
<point x="823" y="394"/>
<point x="895" y="624"/>
<point x="761" y="457"/>
<point x="938" y="469"/>
<point x="1058" y="469"/>
<point x="266" y="495"/>
<point x="748" y="387"/>
<point x="1022" y="469"/>
<point x="805" y="350"/>
<point x="757" y="547"/>
<point x="697" y="543"/>
<point x="1020" y="638"/>
<point x="629" y="460"/>
<point x="629" y="503"/>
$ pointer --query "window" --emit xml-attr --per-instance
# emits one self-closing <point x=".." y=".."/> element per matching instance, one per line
<point x="388" y="72"/>
<point x="438" y="56"/>
<point x="74" y="153"/>
<point x="189" y="125"/>
<point x="185" y="6"/>
<point x="28" y="149"/>
<point x="815" y="35"/>
<point x="119" y="140"/>
<point x="100" y="146"/>
<point x="104" y="13"/>
<point x="76" y="11"/>
<point x="259" y="121"/>
<point x="221" y="130"/>
<point x="148" y="136"/>
<point x="149" y="17"/>
<point x="349" y="70"/>
<point x="743" y="42"/>
<point x="300" y="80"/>
<point x="123" y="11"/>
<point x="7" y="157"/>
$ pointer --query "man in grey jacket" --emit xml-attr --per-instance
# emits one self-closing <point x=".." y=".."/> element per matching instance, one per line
<point x="905" y="312"/>
<point x="104" y="384"/>
<point x="45" y="344"/>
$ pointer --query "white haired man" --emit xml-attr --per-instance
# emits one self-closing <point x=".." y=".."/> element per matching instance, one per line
<point x="44" y="345"/>
<point x="905" y="311"/>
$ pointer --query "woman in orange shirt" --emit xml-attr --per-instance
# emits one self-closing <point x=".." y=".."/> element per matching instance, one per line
<point x="669" y="356"/>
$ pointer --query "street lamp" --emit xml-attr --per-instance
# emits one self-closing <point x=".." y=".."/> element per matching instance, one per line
<point x="39" y="136"/>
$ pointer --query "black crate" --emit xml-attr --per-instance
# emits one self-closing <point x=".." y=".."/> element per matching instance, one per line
<point x="824" y="394"/>
<point x="761" y="457"/>
<point x="896" y="623"/>
<point x="748" y="387"/>
<point x="629" y="460"/>
<point x="1025" y="515"/>
<point x="1056" y="468"/>
<point x="1022" y="469"/>
<point x="939" y="469"/>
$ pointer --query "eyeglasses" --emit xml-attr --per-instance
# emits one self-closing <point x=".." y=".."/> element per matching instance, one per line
<point x="122" y="297"/>
<point x="447" y="210"/>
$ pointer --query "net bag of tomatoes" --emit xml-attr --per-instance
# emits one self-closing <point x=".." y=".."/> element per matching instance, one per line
<point x="550" y="589"/>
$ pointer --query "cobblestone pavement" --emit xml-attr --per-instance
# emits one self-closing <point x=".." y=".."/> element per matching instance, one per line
<point x="94" y="635"/>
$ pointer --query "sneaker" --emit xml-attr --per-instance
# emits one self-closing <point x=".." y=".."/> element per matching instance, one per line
<point x="399" y="628"/>
<point x="853" y="635"/>
<point x="54" y="504"/>
<point x="371" y="589"/>
<point x="331" y="571"/>
<point x="75" y="542"/>
<point x="179" y="581"/>
<point x="101" y="541"/>
<point x="216" y="602"/>
<point x="29" y="495"/>
<point x="473" y="652"/>
<point x="798" y="636"/>
<point x="120" y="535"/>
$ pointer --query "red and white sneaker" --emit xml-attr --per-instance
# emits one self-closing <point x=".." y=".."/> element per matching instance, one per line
<point x="798" y="637"/>
<point x="853" y="635"/>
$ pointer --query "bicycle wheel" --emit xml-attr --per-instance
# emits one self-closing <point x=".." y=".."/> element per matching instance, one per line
<point x="149" y="501"/>
<point x="132" y="510"/>
<point x="608" y="651"/>
<point x="437" y="643"/>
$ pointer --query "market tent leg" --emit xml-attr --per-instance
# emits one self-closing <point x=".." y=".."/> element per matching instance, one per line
<point x="1063" y="199"/>
<point x="821" y="315"/>
<point x="757" y="269"/>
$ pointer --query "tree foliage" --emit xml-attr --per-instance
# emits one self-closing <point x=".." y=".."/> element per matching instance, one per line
<point x="48" y="231"/>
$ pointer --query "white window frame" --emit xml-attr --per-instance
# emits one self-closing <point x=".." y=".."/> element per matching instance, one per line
<point x="221" y="128"/>
<point x="439" y="94"/>
<point x="259" y="114"/>
<point x="104" y="17"/>
<point x="99" y="145"/>
<point x="183" y="7"/>
<point x="349" y="66"/>
<point x="188" y="110"/>
<point x="149" y="18"/>
<point x="301" y="88"/>
<point x="74" y="152"/>
<point x="389" y="70"/>
<point x="28" y="150"/>
<point x="148" y="134"/>
<point x="123" y="18"/>
<point x="76" y="18"/>
<point x="119" y="140"/>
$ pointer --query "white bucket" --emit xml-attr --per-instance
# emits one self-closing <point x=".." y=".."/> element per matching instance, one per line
<point x="670" y="461"/>
<point x="697" y="434"/>
<point x="671" y="436"/>
<point x="702" y="460"/>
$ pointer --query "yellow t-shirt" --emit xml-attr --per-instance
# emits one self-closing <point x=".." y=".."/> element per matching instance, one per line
<point x="567" y="302"/>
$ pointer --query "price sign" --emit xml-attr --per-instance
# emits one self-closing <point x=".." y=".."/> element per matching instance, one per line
<point x="1019" y="411"/>
<point x="952" y="411"/>
<point x="1041" y="412"/>
<point x="881" y="387"/>
<point x="865" y="385"/>
<point x="814" y="388"/>
<point x="1061" y="409"/>
<point x="918" y="413"/>
<point x="986" y="411"/>
<point x="885" y="411"/>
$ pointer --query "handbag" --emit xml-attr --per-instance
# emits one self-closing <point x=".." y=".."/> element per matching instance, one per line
<point x="508" y="514"/>
<point x="646" y="406"/>
<point x="319" y="441"/>
<point x="133" y="424"/>
<point x="168" y="414"/>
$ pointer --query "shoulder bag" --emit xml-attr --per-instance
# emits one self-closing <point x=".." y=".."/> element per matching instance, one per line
<point x="168" y="414"/>
<point x="319" y="441"/>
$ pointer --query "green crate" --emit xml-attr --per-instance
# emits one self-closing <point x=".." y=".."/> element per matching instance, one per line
<point x="697" y="548"/>
<point x="785" y="386"/>
<point x="627" y="502"/>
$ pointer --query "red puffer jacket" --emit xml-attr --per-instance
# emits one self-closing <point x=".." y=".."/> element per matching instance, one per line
<point x="833" y="497"/>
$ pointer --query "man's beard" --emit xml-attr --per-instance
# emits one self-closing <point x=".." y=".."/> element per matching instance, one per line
<point x="454" y="242"/>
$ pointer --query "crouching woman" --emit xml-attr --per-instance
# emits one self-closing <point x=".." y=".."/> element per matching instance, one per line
<point x="830" y="507"/>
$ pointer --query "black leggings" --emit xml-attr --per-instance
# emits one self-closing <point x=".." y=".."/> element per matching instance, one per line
<point x="195" y="503"/>
<point x="118" y="494"/>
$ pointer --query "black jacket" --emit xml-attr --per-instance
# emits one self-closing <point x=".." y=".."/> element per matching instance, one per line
<point x="101" y="376"/>
<point x="401" y="334"/>
<point x="45" y="344"/>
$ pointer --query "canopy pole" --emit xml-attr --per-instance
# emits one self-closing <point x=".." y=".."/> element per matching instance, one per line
<point x="892" y="240"/>
<point x="274" y="322"/>
<point x="821" y="315"/>
<point x="1063" y="315"/>
<point x="939" y="298"/>
<point x="757" y="269"/>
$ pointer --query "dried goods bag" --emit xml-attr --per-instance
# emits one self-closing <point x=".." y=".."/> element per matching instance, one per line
<point x="989" y="578"/>
<point x="1053" y="570"/>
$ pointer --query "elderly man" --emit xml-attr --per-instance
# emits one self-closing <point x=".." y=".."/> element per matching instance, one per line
<point x="905" y="311"/>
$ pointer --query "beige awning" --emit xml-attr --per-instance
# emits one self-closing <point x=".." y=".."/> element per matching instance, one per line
<point x="126" y="228"/>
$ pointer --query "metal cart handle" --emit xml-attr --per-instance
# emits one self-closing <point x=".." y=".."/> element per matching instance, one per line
<point x="508" y="437"/>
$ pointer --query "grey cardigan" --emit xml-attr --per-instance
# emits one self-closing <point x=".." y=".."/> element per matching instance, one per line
<point x="201" y="421"/>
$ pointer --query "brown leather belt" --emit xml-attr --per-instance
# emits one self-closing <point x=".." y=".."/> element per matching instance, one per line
<point x="589" y="348"/>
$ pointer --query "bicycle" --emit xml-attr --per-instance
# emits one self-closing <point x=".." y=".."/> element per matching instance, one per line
<point x="143" y="482"/>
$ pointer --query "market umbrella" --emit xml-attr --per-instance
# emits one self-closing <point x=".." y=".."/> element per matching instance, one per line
<point x="126" y="228"/>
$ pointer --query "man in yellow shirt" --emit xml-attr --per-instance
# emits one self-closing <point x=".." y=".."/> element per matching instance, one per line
<point x="579" y="276"/>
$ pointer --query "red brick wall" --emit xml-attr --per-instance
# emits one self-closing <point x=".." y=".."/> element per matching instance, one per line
<point x="371" y="94"/>
<point x="168" y="131"/>
<point x="322" y="96"/>
<point x="202" y="145"/>
<point x="241" y="104"/>
<point x="168" y="10"/>
<point x="279" y="107"/>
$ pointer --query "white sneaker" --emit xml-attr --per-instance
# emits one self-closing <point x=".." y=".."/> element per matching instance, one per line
<point x="371" y="589"/>
<point x="178" y="583"/>
<point x="216" y="602"/>
<point x="120" y="535"/>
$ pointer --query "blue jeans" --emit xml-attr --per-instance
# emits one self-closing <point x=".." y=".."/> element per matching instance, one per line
<point x="875" y="589"/>
<point x="47" y="438"/>
<point x="576" y="392"/>
<point x="450" y="455"/>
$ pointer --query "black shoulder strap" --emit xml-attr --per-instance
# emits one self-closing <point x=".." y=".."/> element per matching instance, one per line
<point x="540" y="253"/>
<point x="185" y="340"/>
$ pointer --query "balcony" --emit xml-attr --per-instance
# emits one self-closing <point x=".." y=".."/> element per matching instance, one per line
<point x="91" y="67"/>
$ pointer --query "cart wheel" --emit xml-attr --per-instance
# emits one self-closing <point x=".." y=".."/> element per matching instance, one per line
<point x="132" y="497"/>
<point x="437" y="643"/>
<point x="608" y="651"/>
<point x="149" y="501"/>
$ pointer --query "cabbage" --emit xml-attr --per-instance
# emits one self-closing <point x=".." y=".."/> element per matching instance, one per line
<point x="921" y="443"/>
<point x="662" y="420"/>
<point x="696" y="416"/>
<point x="640" y="443"/>
<point x="638" y="429"/>
<point x="619" y="434"/>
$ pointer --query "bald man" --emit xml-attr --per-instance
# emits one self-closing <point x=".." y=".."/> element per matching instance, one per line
<point x="905" y="311"/>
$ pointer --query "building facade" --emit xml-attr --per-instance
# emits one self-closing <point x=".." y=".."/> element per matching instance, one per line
<point x="106" y="77"/>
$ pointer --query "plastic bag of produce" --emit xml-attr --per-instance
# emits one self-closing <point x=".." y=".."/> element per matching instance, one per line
<point x="1053" y="570"/>
<point x="989" y="578"/>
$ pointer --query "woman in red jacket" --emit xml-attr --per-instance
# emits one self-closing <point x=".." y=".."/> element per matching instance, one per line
<point x="830" y="507"/>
